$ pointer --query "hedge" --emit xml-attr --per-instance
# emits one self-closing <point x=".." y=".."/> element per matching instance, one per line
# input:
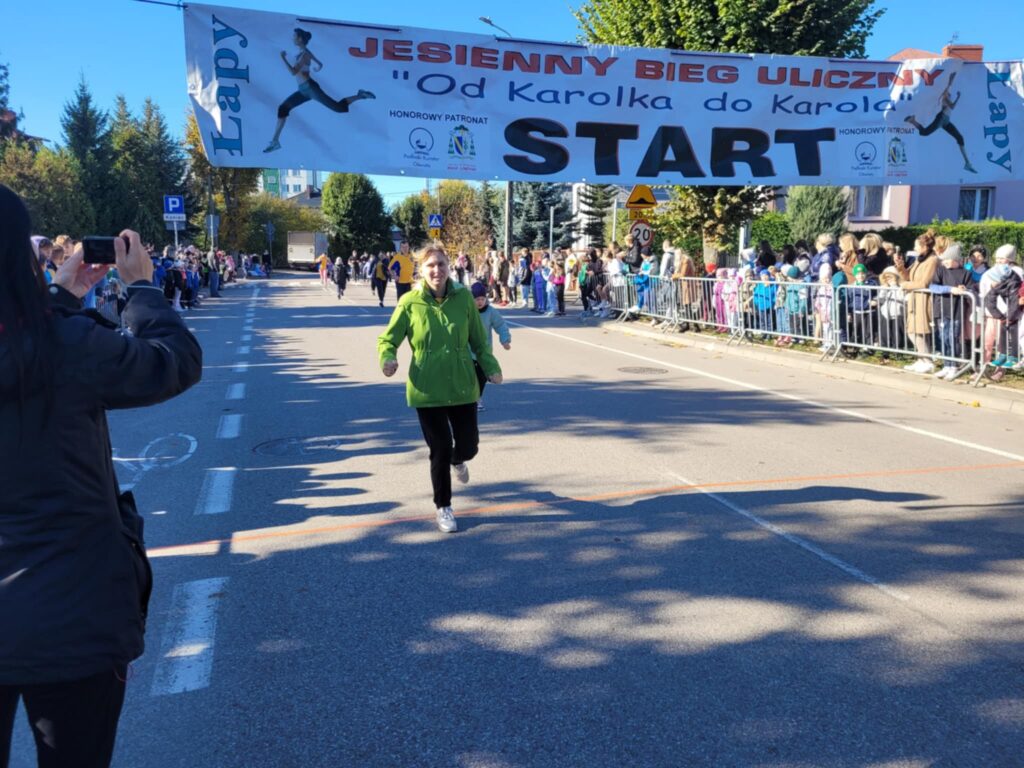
<point x="991" y="233"/>
<point x="773" y="227"/>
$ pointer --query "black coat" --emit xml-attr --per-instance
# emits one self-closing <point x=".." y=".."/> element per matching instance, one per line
<point x="73" y="584"/>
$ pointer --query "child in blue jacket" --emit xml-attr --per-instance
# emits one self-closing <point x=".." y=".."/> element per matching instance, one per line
<point x="493" y="322"/>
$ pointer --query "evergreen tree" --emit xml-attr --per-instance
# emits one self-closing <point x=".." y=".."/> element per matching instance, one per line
<point x="87" y="137"/>
<point x="806" y="28"/>
<point x="491" y="205"/>
<point x="531" y="215"/>
<point x="595" y="204"/>
<point x="8" y="123"/>
<point x="355" y="213"/>
<point x="813" y="211"/>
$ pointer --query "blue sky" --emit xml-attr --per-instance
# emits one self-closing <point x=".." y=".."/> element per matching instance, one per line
<point x="137" y="49"/>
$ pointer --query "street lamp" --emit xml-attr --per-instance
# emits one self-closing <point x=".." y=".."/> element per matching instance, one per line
<point x="487" y="20"/>
<point x="508" y="184"/>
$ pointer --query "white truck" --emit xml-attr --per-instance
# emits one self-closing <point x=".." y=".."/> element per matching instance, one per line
<point x="304" y="248"/>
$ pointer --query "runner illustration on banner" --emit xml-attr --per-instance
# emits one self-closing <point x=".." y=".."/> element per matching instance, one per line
<point x="944" y="121"/>
<point x="309" y="89"/>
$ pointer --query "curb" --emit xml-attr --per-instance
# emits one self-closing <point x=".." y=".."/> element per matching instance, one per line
<point x="993" y="398"/>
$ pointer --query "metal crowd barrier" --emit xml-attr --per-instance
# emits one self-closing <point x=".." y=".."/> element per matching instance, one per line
<point x="865" y="317"/>
<point x="880" y="319"/>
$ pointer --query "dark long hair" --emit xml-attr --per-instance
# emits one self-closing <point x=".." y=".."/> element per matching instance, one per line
<point x="25" y="323"/>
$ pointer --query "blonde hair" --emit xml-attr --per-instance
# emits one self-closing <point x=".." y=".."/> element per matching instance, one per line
<point x="871" y="242"/>
<point x="941" y="244"/>
<point x="425" y="254"/>
<point x="824" y="241"/>
<point x="847" y="245"/>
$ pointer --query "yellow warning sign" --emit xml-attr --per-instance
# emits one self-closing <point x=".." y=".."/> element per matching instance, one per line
<point x="435" y="233"/>
<point x="641" y="197"/>
<point x="638" y="214"/>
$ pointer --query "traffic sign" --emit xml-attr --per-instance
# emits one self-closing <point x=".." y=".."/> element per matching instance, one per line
<point x="638" y="214"/>
<point x="175" y="226"/>
<point x="174" y="208"/>
<point x="435" y="233"/>
<point x="642" y="198"/>
<point x="642" y="233"/>
<point x="435" y="221"/>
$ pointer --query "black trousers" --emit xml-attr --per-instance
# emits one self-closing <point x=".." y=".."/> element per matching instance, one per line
<point x="481" y="378"/>
<point x="401" y="289"/>
<point x="74" y="723"/>
<point x="380" y="286"/>
<point x="443" y="426"/>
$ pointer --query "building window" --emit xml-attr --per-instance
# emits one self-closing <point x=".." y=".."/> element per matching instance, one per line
<point x="867" y="202"/>
<point x="975" y="203"/>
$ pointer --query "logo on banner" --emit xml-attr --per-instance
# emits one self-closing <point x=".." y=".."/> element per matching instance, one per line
<point x="865" y="156"/>
<point x="460" y="143"/>
<point x="421" y="142"/>
<point x="896" y="157"/>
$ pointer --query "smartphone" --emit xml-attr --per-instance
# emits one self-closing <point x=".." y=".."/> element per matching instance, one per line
<point x="100" y="250"/>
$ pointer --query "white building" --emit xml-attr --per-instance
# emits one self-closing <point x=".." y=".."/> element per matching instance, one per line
<point x="284" y="183"/>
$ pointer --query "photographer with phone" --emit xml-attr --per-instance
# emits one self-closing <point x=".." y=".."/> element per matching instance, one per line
<point x="74" y="580"/>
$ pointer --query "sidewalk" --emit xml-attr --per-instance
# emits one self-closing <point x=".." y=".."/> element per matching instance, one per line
<point x="990" y="396"/>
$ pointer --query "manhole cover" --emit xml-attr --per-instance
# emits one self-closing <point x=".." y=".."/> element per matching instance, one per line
<point x="644" y="371"/>
<point x="302" y="446"/>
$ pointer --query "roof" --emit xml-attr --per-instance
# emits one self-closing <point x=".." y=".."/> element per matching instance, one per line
<point x="914" y="53"/>
<point x="308" y="198"/>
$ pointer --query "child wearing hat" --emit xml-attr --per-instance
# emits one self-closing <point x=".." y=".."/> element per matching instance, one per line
<point x="890" y="303"/>
<point x="860" y="300"/>
<point x="493" y="322"/>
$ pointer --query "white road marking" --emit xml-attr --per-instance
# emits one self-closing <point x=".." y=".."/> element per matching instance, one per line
<point x="238" y="368"/>
<point x="792" y="538"/>
<point x="246" y="337"/>
<point x="230" y="426"/>
<point x="186" y="653"/>
<point x="218" y="488"/>
<point x="786" y="396"/>
<point x="244" y="349"/>
<point x="236" y="392"/>
<point x="247" y="327"/>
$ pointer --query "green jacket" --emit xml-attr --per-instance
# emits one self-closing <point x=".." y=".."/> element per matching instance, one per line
<point x="441" y="335"/>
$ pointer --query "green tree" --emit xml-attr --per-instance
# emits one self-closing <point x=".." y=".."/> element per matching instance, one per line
<point x="86" y="130"/>
<point x="813" y="211"/>
<point x="230" y="188"/>
<point x="491" y="203"/>
<point x="464" y="215"/>
<point x="595" y="203"/>
<point x="531" y="215"/>
<point x="798" y="27"/>
<point x="51" y="185"/>
<point x="355" y="213"/>
<point x="410" y="216"/>
<point x="286" y="216"/>
<point x="8" y="118"/>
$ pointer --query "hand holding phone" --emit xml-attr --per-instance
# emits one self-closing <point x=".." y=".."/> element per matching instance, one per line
<point x="100" y="250"/>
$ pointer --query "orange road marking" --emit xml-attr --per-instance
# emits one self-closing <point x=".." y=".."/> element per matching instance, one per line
<point x="614" y="495"/>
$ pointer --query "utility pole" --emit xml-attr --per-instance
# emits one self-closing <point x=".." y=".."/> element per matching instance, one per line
<point x="508" y="219"/>
<point x="508" y="184"/>
<point x="551" y="230"/>
<point x="615" y="214"/>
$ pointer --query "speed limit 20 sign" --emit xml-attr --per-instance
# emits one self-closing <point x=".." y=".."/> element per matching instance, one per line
<point x="642" y="233"/>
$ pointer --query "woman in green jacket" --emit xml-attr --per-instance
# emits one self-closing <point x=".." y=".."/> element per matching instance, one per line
<point x="442" y="324"/>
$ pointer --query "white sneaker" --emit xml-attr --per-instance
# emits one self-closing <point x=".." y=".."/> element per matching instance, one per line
<point x="462" y="473"/>
<point x="921" y="366"/>
<point x="446" y="520"/>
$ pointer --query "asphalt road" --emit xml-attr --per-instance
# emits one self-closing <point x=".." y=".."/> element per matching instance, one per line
<point x="666" y="557"/>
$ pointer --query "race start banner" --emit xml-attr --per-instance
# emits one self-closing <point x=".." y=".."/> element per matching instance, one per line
<point x="276" y="90"/>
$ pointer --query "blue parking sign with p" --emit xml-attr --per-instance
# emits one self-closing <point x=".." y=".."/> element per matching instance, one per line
<point x="174" y="208"/>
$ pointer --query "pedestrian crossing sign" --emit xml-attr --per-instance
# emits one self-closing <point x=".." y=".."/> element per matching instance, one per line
<point x="435" y="221"/>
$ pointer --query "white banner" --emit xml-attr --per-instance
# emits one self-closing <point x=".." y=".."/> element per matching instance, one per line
<point x="276" y="90"/>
